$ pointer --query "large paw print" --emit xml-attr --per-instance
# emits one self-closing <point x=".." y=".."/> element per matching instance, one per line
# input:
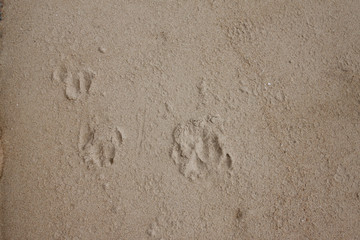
<point x="200" y="148"/>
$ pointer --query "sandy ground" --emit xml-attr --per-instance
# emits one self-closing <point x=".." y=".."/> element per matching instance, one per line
<point x="180" y="119"/>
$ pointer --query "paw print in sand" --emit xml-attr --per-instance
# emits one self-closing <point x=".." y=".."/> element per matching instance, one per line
<point x="199" y="148"/>
<point x="77" y="81"/>
<point x="98" y="145"/>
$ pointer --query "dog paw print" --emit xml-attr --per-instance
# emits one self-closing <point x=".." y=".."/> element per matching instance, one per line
<point x="77" y="82"/>
<point x="200" y="148"/>
<point x="98" y="147"/>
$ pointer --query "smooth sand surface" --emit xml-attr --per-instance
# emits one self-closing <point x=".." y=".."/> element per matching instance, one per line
<point x="159" y="120"/>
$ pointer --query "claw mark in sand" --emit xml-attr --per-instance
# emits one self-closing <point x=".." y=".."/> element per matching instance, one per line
<point x="200" y="148"/>
<point x="119" y="138"/>
<point x="141" y="119"/>
<point x="98" y="148"/>
<point x="77" y="82"/>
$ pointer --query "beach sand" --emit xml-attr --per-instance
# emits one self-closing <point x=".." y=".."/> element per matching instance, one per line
<point x="161" y="120"/>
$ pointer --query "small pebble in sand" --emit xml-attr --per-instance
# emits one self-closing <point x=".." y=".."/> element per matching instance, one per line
<point x="106" y="186"/>
<point x="102" y="49"/>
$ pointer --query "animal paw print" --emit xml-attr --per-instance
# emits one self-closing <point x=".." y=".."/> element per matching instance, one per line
<point x="77" y="82"/>
<point x="200" y="148"/>
<point x="98" y="148"/>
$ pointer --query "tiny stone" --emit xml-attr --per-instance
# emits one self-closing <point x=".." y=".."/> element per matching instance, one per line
<point x="106" y="186"/>
<point x="102" y="49"/>
<point x="115" y="209"/>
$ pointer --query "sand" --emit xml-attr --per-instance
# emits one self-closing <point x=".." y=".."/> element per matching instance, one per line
<point x="211" y="119"/>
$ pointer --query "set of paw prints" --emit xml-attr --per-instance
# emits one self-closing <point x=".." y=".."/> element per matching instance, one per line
<point x="98" y="143"/>
<point x="199" y="149"/>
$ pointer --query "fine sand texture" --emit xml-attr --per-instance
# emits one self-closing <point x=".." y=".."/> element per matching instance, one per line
<point x="180" y="120"/>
